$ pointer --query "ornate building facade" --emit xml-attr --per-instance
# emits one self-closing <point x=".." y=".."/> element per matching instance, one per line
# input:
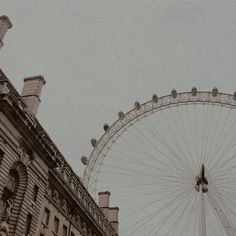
<point x="40" y="194"/>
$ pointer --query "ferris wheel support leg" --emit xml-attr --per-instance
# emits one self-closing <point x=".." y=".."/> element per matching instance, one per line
<point x="202" y="219"/>
<point x="229" y="229"/>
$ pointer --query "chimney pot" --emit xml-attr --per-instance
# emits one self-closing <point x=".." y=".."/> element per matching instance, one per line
<point x="113" y="218"/>
<point x="5" y="24"/>
<point x="103" y="202"/>
<point x="103" y="199"/>
<point x="32" y="90"/>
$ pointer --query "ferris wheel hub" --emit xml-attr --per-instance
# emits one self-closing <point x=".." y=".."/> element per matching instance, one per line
<point x="201" y="181"/>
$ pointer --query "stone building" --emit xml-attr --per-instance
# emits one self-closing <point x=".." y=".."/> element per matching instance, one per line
<point x="40" y="194"/>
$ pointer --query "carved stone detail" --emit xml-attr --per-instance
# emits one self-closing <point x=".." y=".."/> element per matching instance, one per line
<point x="77" y="220"/>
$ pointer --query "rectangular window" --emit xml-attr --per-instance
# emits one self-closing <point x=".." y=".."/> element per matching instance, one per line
<point x="64" y="231"/>
<point x="35" y="193"/>
<point x="28" y="224"/>
<point x="46" y="216"/>
<point x="56" y="224"/>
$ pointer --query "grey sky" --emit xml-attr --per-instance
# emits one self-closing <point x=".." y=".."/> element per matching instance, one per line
<point x="98" y="57"/>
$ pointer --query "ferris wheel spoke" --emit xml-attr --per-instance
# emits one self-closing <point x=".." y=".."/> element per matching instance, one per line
<point x="164" y="192"/>
<point x="150" y="204"/>
<point x="221" y="213"/>
<point x="219" y="202"/>
<point x="179" y="217"/>
<point x="142" y="164"/>
<point x="185" y="155"/>
<point x="204" y="132"/>
<point x="155" y="171"/>
<point x="181" y="124"/>
<point x="146" y="219"/>
<point x="211" y="220"/>
<point x="221" y="137"/>
<point x="171" y="136"/>
<point x="209" y="125"/>
<point x="167" y="147"/>
<point x="229" y="148"/>
<point x="211" y="129"/>
<point x="189" y="218"/>
<point x="178" y="163"/>
<point x="228" y="132"/>
<point x="164" y="220"/>
<point x="215" y="137"/>
<point x="167" y="130"/>
<point x="130" y="197"/>
<point x="195" y="118"/>
<point x="226" y="201"/>
<point x="170" y="183"/>
<point x="162" y="141"/>
<point x="224" y="172"/>
<point x="127" y="159"/>
<point x="140" y="172"/>
<point x="193" y="134"/>
<point x="175" y="168"/>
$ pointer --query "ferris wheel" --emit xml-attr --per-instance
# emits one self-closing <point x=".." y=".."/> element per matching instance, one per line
<point x="170" y="164"/>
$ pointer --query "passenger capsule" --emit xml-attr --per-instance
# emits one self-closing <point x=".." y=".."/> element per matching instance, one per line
<point x="214" y="92"/>
<point x="234" y="96"/>
<point x="121" y="115"/>
<point x="194" y="91"/>
<point x="106" y="127"/>
<point x="93" y="142"/>
<point x="137" y="105"/>
<point x="174" y="93"/>
<point x="154" y="98"/>
<point x="84" y="160"/>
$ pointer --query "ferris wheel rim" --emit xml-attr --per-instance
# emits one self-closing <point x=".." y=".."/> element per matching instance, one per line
<point x="174" y="99"/>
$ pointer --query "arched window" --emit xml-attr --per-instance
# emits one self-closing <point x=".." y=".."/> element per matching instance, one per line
<point x="9" y="192"/>
<point x="15" y="187"/>
<point x="12" y="181"/>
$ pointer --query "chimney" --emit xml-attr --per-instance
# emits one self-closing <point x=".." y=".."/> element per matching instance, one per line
<point x="5" y="24"/>
<point x="113" y="218"/>
<point x="111" y="213"/>
<point x="31" y="92"/>
<point x="103" y="202"/>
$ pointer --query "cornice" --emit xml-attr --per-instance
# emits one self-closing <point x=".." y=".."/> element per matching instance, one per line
<point x="16" y="110"/>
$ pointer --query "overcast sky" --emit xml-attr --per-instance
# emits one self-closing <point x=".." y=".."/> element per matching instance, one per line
<point x="98" y="57"/>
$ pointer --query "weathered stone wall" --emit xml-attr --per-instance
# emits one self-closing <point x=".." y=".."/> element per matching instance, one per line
<point x="14" y="157"/>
